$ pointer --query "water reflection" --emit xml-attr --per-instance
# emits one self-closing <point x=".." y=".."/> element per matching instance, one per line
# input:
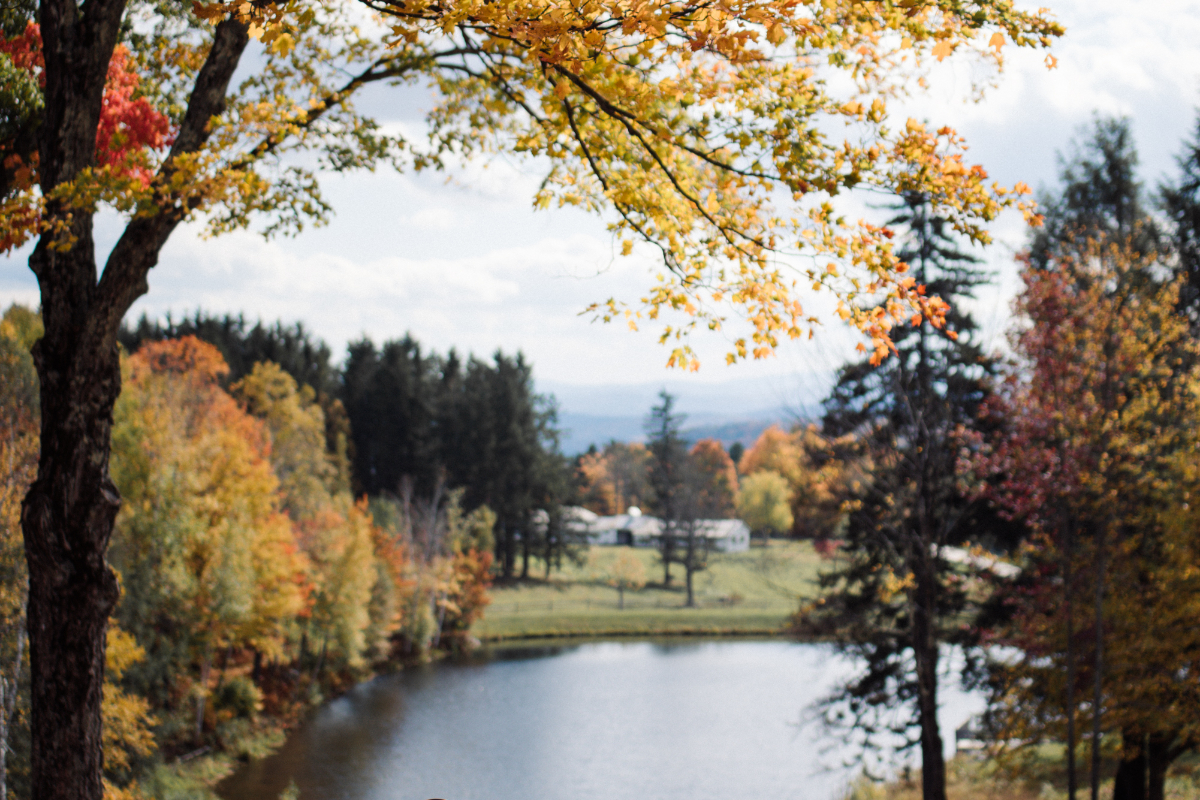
<point x="597" y="721"/>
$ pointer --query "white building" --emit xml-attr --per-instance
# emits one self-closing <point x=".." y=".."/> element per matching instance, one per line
<point x="636" y="530"/>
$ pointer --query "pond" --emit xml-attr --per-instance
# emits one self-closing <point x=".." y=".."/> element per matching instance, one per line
<point x="673" y="720"/>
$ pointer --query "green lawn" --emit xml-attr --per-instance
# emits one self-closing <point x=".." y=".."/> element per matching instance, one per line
<point x="739" y="593"/>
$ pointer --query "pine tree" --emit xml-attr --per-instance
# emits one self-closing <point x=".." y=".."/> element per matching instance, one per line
<point x="499" y="442"/>
<point x="1180" y="201"/>
<point x="390" y="397"/>
<point x="668" y="468"/>
<point x="896" y="598"/>
<point x="1099" y="196"/>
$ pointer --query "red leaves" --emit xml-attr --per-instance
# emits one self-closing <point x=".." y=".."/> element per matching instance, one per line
<point x="128" y="124"/>
<point x="25" y="50"/>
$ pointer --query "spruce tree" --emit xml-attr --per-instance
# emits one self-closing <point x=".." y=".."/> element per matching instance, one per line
<point x="668" y="475"/>
<point x="1099" y="196"/>
<point x="894" y="597"/>
<point x="1180" y="202"/>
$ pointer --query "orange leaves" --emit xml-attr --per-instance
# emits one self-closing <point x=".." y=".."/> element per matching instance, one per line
<point x="689" y="127"/>
<point x="188" y="358"/>
<point x="201" y="511"/>
<point x="942" y="49"/>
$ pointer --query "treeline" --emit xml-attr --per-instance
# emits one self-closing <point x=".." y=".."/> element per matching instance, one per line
<point x="287" y="527"/>
<point x="414" y="424"/>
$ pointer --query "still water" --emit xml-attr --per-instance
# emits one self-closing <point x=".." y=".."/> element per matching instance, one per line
<point x="717" y="720"/>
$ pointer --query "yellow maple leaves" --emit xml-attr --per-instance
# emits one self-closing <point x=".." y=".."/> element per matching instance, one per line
<point x="707" y="132"/>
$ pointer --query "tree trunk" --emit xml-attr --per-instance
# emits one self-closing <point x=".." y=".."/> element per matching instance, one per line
<point x="925" y="654"/>
<point x="667" y="552"/>
<point x="1098" y="666"/>
<point x="509" y="552"/>
<point x="8" y="704"/>
<point x="1072" y="778"/>
<point x="689" y="566"/>
<point x="67" y="517"/>
<point x="1142" y="773"/>
<point x="620" y="598"/>
<point x="202" y="695"/>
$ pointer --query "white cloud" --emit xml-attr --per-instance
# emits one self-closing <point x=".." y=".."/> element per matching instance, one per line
<point x="433" y="219"/>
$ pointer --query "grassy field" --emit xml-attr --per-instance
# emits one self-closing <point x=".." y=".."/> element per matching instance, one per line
<point x="1039" y="775"/>
<point x="740" y="593"/>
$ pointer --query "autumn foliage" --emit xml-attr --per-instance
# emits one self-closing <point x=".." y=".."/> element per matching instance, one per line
<point x="1098" y="459"/>
<point x="129" y="126"/>
<point x="251" y="580"/>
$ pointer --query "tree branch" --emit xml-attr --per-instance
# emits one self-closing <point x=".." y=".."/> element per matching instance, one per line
<point x="136" y="252"/>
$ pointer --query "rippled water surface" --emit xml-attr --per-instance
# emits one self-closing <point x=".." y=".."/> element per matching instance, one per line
<point x="605" y="721"/>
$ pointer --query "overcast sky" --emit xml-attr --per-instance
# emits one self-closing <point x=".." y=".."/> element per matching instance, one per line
<point x="470" y="265"/>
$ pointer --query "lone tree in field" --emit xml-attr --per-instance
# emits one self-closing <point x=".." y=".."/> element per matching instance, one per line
<point x="685" y="122"/>
<point x="627" y="573"/>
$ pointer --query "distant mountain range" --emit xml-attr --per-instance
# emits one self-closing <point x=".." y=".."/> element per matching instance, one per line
<point x="582" y="430"/>
<point x="733" y="411"/>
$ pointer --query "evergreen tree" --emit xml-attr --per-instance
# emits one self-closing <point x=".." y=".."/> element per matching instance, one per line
<point x="668" y="468"/>
<point x="1180" y="202"/>
<point x="1099" y="196"/>
<point x="896" y="597"/>
<point x="499" y="442"/>
<point x="390" y="397"/>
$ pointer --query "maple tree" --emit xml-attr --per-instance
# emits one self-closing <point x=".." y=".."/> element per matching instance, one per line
<point x="815" y="474"/>
<point x="716" y="479"/>
<point x="444" y="580"/>
<point x="615" y="478"/>
<point x="763" y="503"/>
<point x="682" y="119"/>
<point x="1097" y="458"/>
<point x="203" y="537"/>
<point x="627" y="572"/>
<point x="128" y="126"/>
<point x="1099" y="283"/>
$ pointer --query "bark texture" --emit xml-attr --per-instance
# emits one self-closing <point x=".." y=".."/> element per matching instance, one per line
<point x="925" y="654"/>
<point x="67" y="518"/>
<point x="1142" y="773"/>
